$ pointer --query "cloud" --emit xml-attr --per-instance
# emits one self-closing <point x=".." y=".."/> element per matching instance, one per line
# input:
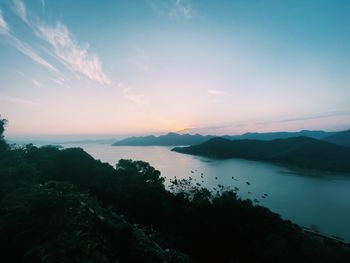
<point x="142" y="60"/>
<point x="37" y="83"/>
<point x="173" y="9"/>
<point x="58" y="81"/>
<point x="71" y="54"/>
<point x="43" y="5"/>
<point x="61" y="81"/>
<point x="17" y="100"/>
<point x="322" y="115"/>
<point x="20" y="9"/>
<point x="22" y="46"/>
<point x="135" y="98"/>
<point x="182" y="9"/>
<point x="216" y="92"/>
<point x="30" y="52"/>
<point x="3" y="25"/>
<point x="62" y="46"/>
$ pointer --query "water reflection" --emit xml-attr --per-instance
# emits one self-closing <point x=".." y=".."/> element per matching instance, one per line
<point x="307" y="197"/>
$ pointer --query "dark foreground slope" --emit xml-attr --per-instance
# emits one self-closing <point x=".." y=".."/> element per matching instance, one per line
<point x="61" y="205"/>
<point x="299" y="151"/>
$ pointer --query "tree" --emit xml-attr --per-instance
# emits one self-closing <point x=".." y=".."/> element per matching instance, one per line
<point x="2" y="126"/>
<point x="3" y="144"/>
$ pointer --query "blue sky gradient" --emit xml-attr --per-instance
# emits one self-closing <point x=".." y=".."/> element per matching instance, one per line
<point x="139" y="67"/>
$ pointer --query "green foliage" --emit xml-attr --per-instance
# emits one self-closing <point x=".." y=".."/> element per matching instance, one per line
<point x="2" y="126"/>
<point x="140" y="169"/>
<point x="3" y="145"/>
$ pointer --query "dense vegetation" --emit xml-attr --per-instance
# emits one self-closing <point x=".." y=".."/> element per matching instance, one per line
<point x="61" y="205"/>
<point x="303" y="152"/>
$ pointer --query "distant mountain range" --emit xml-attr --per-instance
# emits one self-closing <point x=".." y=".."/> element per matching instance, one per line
<point x="340" y="138"/>
<point x="303" y="152"/>
<point x="174" y="139"/>
<point x="170" y="139"/>
<point x="58" y="141"/>
<point x="268" y="136"/>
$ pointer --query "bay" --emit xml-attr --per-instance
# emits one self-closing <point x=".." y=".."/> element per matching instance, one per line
<point x="320" y="200"/>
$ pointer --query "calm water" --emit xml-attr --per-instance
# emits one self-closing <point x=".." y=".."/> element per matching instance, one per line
<point x="305" y="197"/>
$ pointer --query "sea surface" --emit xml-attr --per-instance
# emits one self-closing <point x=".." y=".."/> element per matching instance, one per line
<point x="319" y="200"/>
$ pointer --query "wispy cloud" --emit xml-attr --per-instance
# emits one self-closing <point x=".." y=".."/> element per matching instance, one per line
<point x="182" y="9"/>
<point x="20" y="9"/>
<point x="22" y="46"/>
<point x="63" y="46"/>
<point x="17" y="100"/>
<point x="21" y="73"/>
<point x="142" y="60"/>
<point x="173" y="9"/>
<point x="60" y="81"/>
<point x="43" y="5"/>
<point x="4" y="28"/>
<point x="27" y="50"/>
<point x="71" y="54"/>
<point x="135" y="98"/>
<point x="216" y="92"/>
<point x="37" y="83"/>
<point x="321" y="115"/>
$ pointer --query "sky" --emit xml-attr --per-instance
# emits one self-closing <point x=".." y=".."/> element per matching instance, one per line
<point x="148" y="66"/>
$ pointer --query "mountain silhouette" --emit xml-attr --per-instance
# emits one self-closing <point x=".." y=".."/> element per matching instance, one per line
<point x="169" y="139"/>
<point x="303" y="152"/>
<point x="340" y="138"/>
<point x="175" y="139"/>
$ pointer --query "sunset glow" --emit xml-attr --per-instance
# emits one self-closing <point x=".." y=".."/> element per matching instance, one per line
<point x="140" y="67"/>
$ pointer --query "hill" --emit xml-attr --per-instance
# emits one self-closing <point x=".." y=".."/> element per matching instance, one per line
<point x="340" y="138"/>
<point x="174" y="139"/>
<point x="299" y="151"/>
<point x="62" y="205"/>
<point x="169" y="139"/>
<point x="268" y="136"/>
